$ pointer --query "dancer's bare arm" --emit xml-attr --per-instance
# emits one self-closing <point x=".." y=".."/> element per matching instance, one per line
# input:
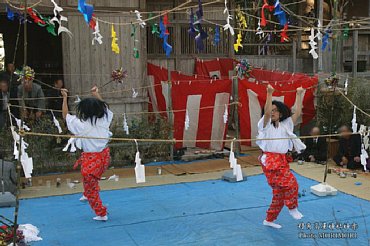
<point x="268" y="105"/>
<point x="65" y="103"/>
<point x="298" y="111"/>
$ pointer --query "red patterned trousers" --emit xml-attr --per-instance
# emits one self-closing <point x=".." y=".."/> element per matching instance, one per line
<point x="283" y="183"/>
<point x="93" y="165"/>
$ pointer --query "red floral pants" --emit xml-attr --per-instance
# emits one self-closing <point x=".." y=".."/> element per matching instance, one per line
<point x="93" y="165"/>
<point x="283" y="183"/>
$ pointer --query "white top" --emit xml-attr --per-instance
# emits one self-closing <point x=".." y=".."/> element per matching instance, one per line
<point x="269" y="131"/>
<point x="86" y="129"/>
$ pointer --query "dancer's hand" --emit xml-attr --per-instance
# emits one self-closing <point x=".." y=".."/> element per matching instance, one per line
<point x="300" y="90"/>
<point x="95" y="93"/>
<point x="64" y="93"/>
<point x="270" y="89"/>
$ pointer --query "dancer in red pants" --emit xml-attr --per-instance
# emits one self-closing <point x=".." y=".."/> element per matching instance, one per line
<point x="277" y="122"/>
<point x="93" y="119"/>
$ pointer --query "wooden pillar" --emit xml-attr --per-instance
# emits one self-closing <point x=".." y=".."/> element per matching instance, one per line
<point x="320" y="6"/>
<point x="169" y="108"/>
<point x="354" y="53"/>
<point x="235" y="92"/>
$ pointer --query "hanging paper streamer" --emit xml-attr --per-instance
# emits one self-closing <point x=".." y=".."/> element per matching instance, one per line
<point x="237" y="169"/>
<point x="19" y="123"/>
<point x="238" y="42"/>
<point x="139" y="168"/>
<point x="71" y="143"/>
<point x="265" y="6"/>
<point x="26" y="161"/>
<point x="346" y="31"/>
<point x="97" y="36"/>
<point x="187" y="120"/>
<point x="365" y="136"/>
<point x="229" y="17"/>
<point x="192" y="32"/>
<point x="327" y="35"/>
<point x="115" y="47"/>
<point x="364" y="156"/>
<point x="202" y="35"/>
<point x="242" y="22"/>
<point x="232" y="159"/>
<point x="283" y="35"/>
<point x="280" y="14"/>
<point x="9" y="13"/>
<point x="87" y="10"/>
<point x="56" y="122"/>
<point x="164" y="35"/>
<point x="42" y="21"/>
<point x="226" y="114"/>
<point x="346" y="86"/>
<point x="216" y="39"/>
<point x="59" y="18"/>
<point x="118" y="75"/>
<point x="259" y="30"/>
<point x="354" y="120"/>
<point x="134" y="93"/>
<point x="139" y="19"/>
<point x="243" y="68"/>
<point x="154" y="26"/>
<point x="313" y="45"/>
<point x="133" y="35"/>
<point x="318" y="34"/>
<point x="125" y="125"/>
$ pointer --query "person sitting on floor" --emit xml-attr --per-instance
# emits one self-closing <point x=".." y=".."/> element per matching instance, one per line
<point x="349" y="151"/>
<point x="316" y="148"/>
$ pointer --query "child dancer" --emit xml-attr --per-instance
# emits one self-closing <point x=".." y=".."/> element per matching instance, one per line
<point x="92" y="119"/>
<point x="277" y="122"/>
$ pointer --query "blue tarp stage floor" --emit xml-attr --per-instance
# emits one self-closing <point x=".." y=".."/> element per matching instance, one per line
<point x="199" y="213"/>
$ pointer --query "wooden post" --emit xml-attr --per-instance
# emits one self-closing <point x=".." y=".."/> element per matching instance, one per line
<point x="334" y="55"/>
<point x="354" y="53"/>
<point x="294" y="56"/>
<point x="169" y="107"/>
<point x="235" y="93"/>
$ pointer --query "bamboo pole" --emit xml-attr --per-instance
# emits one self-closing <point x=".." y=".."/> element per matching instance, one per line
<point x="235" y="92"/>
<point x="169" y="107"/>
<point x="16" y="210"/>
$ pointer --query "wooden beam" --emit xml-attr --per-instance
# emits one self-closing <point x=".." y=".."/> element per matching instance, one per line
<point x="354" y="53"/>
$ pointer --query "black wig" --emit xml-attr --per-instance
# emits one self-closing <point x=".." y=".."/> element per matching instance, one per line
<point x="283" y="109"/>
<point x="91" y="109"/>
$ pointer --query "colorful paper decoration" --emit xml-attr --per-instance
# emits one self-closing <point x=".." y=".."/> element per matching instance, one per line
<point x="87" y="10"/>
<point x="238" y="42"/>
<point x="97" y="36"/>
<point x="9" y="13"/>
<point x="216" y="38"/>
<point x="27" y="73"/>
<point x="242" y="22"/>
<point x="118" y="75"/>
<point x="259" y="30"/>
<point x="154" y="26"/>
<point x="229" y="17"/>
<point x="164" y="35"/>
<point x="283" y="35"/>
<point x="59" y="18"/>
<point x="133" y="35"/>
<point x="346" y="31"/>
<point x="327" y="35"/>
<point x="313" y="45"/>
<point x="192" y="32"/>
<point x="115" y="47"/>
<point x="142" y="23"/>
<point x="201" y="35"/>
<point x="265" y="6"/>
<point x="333" y="80"/>
<point x="280" y="14"/>
<point x="243" y="68"/>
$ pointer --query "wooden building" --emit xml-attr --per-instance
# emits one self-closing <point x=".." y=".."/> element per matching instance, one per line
<point x="82" y="64"/>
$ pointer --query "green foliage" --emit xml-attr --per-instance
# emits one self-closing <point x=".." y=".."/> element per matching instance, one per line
<point x="48" y="156"/>
<point x="335" y="106"/>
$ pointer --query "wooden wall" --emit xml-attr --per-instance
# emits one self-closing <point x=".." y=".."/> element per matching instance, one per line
<point x="86" y="65"/>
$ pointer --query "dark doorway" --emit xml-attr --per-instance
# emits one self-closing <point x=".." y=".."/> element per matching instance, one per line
<point x="44" y="53"/>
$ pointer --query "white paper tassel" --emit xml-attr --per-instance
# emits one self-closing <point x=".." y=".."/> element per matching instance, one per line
<point x="364" y="157"/>
<point x="259" y="30"/>
<point x="313" y="45"/>
<point x="55" y="19"/>
<point x="346" y="86"/>
<point x="139" y="19"/>
<point x="354" y="123"/>
<point x="97" y="36"/>
<point x="71" y="143"/>
<point x="125" y="125"/>
<point x="229" y="17"/>
<point x="139" y="168"/>
<point x="318" y="34"/>
<point x="19" y="124"/>
<point x="187" y="121"/>
<point x="56" y="123"/>
<point x="232" y="159"/>
<point x="134" y="93"/>
<point x="226" y="114"/>
<point x="239" y="173"/>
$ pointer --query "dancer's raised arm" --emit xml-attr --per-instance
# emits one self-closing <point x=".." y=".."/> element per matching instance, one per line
<point x="65" y="103"/>
<point x="299" y="100"/>
<point x="268" y="105"/>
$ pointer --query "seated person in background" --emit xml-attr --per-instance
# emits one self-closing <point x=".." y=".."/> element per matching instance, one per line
<point x="316" y="148"/>
<point x="8" y="175"/>
<point x="34" y="99"/>
<point x="56" y="100"/>
<point x="349" y="151"/>
<point x="4" y="100"/>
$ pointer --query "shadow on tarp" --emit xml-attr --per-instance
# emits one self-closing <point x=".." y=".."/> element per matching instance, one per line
<point x="199" y="213"/>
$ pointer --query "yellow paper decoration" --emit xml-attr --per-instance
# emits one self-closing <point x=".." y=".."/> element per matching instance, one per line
<point x="238" y="42"/>
<point x="115" y="47"/>
<point x="241" y="18"/>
